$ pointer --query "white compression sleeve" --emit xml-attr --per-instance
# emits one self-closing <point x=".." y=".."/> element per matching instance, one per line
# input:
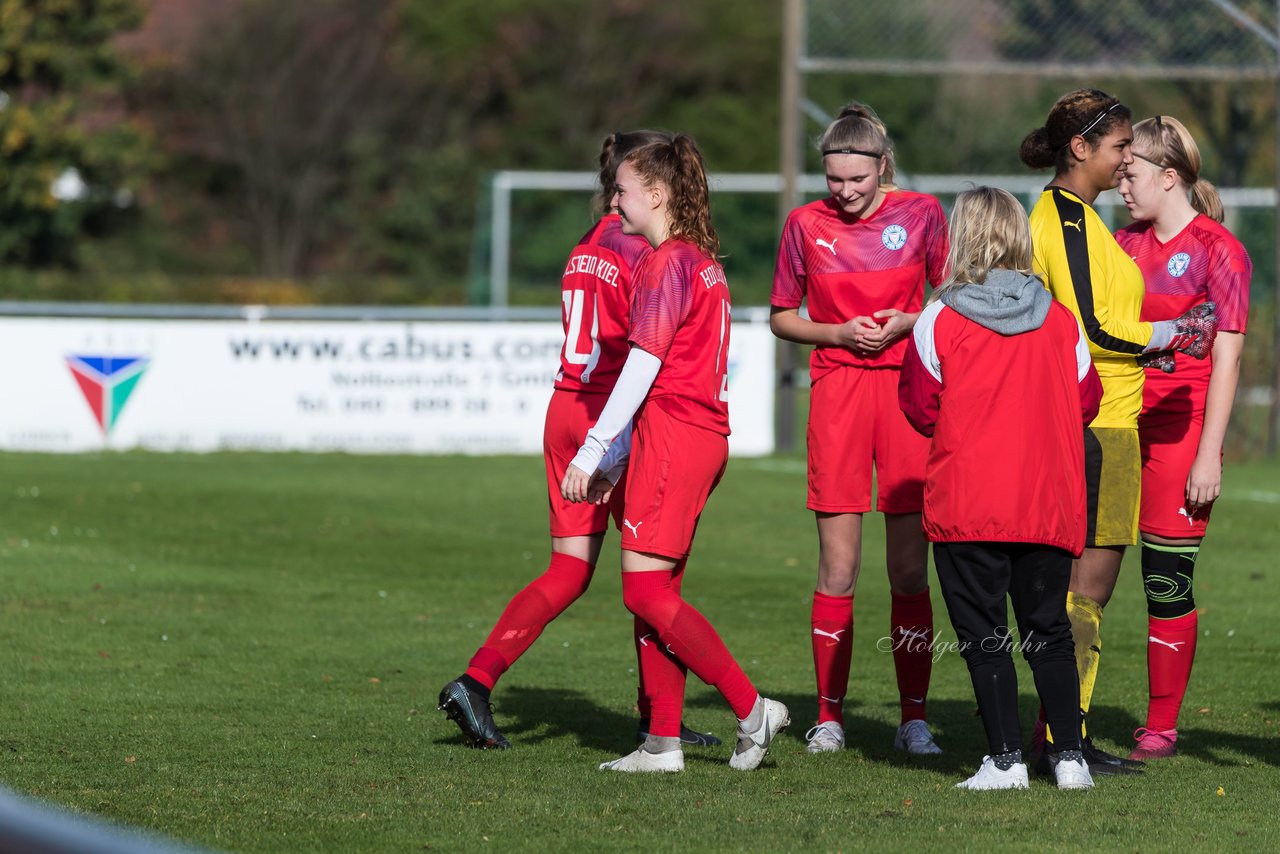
<point x="637" y="377"/>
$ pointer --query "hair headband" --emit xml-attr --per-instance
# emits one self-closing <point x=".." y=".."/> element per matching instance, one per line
<point x="827" y="151"/>
<point x="1096" y="119"/>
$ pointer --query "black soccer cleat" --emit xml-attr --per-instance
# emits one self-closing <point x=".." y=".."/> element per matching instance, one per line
<point x="1101" y="762"/>
<point x="687" y="736"/>
<point x="471" y="712"/>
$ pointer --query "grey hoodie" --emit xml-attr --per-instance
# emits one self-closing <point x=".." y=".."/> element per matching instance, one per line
<point x="1008" y="302"/>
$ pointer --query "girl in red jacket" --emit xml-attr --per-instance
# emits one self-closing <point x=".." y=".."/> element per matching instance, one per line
<point x="999" y="374"/>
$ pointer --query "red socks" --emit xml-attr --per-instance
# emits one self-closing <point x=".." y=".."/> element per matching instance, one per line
<point x="911" y="627"/>
<point x="832" y="636"/>
<point x="662" y="676"/>
<point x="688" y="636"/>
<point x="527" y="614"/>
<point x="1171" y="648"/>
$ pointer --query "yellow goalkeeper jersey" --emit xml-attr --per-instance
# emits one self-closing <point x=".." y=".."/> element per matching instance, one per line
<point x="1086" y="270"/>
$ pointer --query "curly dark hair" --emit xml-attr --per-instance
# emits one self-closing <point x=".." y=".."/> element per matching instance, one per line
<point x="1090" y="113"/>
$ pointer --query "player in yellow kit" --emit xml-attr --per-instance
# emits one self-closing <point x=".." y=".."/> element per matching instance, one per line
<point x="1086" y="139"/>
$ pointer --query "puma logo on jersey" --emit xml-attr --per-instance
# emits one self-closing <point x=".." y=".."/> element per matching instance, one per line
<point x="1075" y="225"/>
<point x="1173" y="646"/>
<point x="833" y="635"/>
<point x="635" y="529"/>
<point x="644" y="642"/>
<point x="831" y="245"/>
<point x="1182" y="511"/>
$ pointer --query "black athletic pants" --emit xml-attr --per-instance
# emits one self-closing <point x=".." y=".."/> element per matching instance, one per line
<point x="975" y="577"/>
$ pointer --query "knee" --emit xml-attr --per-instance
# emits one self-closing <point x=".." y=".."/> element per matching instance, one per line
<point x="1055" y="644"/>
<point x="636" y="600"/>
<point x="649" y="596"/>
<point x="993" y="649"/>
<point x="908" y="577"/>
<point x="568" y="576"/>
<point x="981" y="657"/>
<point x="837" y="574"/>
<point x="1167" y="580"/>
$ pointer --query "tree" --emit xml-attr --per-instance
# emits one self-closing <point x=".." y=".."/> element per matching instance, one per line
<point x="537" y="84"/>
<point x="282" y="98"/>
<point x="356" y="136"/>
<point x="69" y="161"/>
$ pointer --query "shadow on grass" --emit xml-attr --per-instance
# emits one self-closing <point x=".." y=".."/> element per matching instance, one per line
<point x="1197" y="739"/>
<point x="530" y="716"/>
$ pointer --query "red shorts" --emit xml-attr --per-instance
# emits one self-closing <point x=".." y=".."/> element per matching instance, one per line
<point x="674" y="467"/>
<point x="855" y="422"/>
<point x="1169" y="445"/>
<point x="569" y="416"/>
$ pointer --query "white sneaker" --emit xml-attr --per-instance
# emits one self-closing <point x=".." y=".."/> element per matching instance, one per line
<point x="1073" y="775"/>
<point x="640" y="760"/>
<point x="826" y="737"/>
<point x="914" y="737"/>
<point x="752" y="746"/>
<point x="991" y="777"/>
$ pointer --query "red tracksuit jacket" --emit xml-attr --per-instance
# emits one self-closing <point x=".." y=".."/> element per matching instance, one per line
<point x="1006" y="413"/>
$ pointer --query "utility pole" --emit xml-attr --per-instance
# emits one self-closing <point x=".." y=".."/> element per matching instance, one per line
<point x="788" y="198"/>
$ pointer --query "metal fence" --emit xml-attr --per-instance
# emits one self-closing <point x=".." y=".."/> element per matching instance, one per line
<point x="1081" y="41"/>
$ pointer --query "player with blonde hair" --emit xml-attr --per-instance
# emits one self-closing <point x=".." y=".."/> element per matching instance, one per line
<point x="1187" y="258"/>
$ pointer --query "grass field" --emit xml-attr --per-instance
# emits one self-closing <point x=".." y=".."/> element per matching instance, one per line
<point x="244" y="651"/>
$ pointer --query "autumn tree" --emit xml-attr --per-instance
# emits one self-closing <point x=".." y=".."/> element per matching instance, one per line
<point x="69" y="161"/>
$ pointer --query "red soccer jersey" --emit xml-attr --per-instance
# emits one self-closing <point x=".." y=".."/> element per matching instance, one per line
<point x="1202" y="262"/>
<point x="596" y="292"/>
<point x="847" y="268"/>
<point x="680" y="313"/>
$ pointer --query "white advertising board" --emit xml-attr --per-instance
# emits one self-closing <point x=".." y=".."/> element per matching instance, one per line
<point x="87" y="384"/>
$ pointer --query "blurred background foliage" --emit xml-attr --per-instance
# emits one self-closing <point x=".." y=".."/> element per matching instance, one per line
<point x="340" y="151"/>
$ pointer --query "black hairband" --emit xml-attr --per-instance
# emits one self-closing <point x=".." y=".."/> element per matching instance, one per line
<point x="827" y="151"/>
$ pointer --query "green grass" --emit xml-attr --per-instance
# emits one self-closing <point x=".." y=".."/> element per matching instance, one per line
<point x="244" y="651"/>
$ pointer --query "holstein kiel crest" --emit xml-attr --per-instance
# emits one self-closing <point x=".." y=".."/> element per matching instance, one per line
<point x="107" y="382"/>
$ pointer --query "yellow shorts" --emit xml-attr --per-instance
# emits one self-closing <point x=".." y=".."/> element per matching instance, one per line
<point x="1113" y="483"/>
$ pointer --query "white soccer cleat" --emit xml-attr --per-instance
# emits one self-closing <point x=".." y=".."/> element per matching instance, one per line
<point x="826" y="737"/>
<point x="991" y="777"/>
<point x="642" y="761"/>
<point x="915" y="738"/>
<point x="753" y="746"/>
<point x="1073" y="774"/>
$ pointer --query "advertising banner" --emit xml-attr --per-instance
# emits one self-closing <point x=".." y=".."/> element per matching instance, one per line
<point x="84" y="384"/>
